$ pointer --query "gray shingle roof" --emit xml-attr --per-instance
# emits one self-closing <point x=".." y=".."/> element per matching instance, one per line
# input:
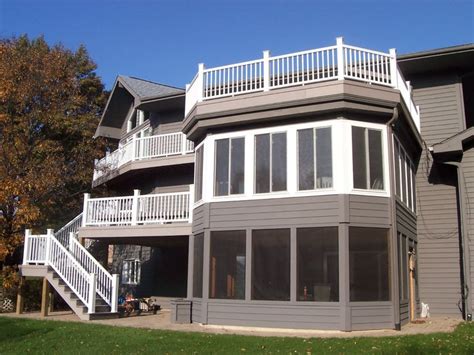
<point x="145" y="89"/>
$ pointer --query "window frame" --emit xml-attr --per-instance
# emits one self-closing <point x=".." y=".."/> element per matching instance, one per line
<point x="270" y="163"/>
<point x="229" y="172"/>
<point x="315" y="160"/>
<point x="127" y="274"/>
<point x="386" y="184"/>
<point x="400" y="154"/>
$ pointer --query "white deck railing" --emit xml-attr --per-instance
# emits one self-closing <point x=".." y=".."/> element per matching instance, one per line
<point x="337" y="62"/>
<point x="106" y="284"/>
<point x="71" y="227"/>
<point x="47" y="250"/>
<point x="158" y="146"/>
<point x="138" y="209"/>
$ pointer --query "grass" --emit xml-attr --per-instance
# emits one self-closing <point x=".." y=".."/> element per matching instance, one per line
<point x="22" y="336"/>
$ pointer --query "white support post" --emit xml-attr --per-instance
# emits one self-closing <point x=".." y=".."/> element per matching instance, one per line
<point x="266" y="70"/>
<point x="50" y="234"/>
<point x="340" y="58"/>
<point x="115" y="291"/>
<point x="134" y="146"/>
<point x="85" y="209"/>
<point x="191" y="202"/>
<point x="200" y="82"/>
<point x="135" y="209"/>
<point x="26" y="246"/>
<point x="393" y="67"/>
<point x="92" y="291"/>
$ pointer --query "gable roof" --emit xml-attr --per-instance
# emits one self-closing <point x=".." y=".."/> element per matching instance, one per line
<point x="145" y="89"/>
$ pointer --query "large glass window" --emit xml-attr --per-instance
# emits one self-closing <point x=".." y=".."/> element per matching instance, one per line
<point x="368" y="264"/>
<point x="314" y="158"/>
<point x="198" y="265"/>
<point x="198" y="173"/>
<point x="367" y="158"/>
<point x="229" y="169"/>
<point x="270" y="162"/>
<point x="131" y="272"/>
<point x="227" y="265"/>
<point x="271" y="264"/>
<point x="317" y="264"/>
<point x="405" y="183"/>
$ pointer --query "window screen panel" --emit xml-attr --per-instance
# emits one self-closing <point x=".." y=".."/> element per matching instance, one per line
<point x="317" y="264"/>
<point x="227" y="265"/>
<point x="271" y="265"/>
<point x="306" y="159"/>
<point x="323" y="158"/>
<point x="221" y="185"/>
<point x="279" y="161"/>
<point x="375" y="160"/>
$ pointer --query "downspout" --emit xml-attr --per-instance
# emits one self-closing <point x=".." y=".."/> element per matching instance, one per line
<point x="466" y="292"/>
<point x="393" y="207"/>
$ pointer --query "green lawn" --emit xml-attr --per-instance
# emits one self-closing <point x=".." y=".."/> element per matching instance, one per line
<point x="21" y="336"/>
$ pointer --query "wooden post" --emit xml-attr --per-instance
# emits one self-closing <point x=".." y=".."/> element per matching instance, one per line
<point x="20" y="296"/>
<point x="45" y="298"/>
<point x="412" y="286"/>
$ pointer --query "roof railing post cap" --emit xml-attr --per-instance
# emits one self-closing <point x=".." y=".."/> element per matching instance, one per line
<point x="340" y="40"/>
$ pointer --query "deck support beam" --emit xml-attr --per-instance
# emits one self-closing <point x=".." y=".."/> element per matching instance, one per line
<point x="45" y="298"/>
<point x="20" y="297"/>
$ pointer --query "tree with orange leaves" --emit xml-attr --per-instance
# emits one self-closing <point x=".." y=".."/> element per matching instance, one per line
<point x="50" y="105"/>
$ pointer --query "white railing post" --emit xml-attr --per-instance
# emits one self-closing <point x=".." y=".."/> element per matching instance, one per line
<point x="71" y="237"/>
<point x="200" y="82"/>
<point x="340" y="58"/>
<point x="266" y="70"/>
<point x="92" y="291"/>
<point x="115" y="289"/>
<point x="134" y="146"/>
<point x="49" y="235"/>
<point x="26" y="246"/>
<point x="183" y="143"/>
<point x="191" y="202"/>
<point x="85" y="209"/>
<point x="393" y="67"/>
<point x="135" y="209"/>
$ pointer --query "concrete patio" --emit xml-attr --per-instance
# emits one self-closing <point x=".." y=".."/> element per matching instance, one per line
<point x="162" y="321"/>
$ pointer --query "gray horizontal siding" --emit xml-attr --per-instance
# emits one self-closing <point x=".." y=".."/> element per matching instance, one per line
<point x="437" y="220"/>
<point x="404" y="313"/>
<point x="200" y="218"/>
<point x="468" y="172"/>
<point x="406" y="221"/>
<point x="369" y="210"/>
<point x="371" y="316"/>
<point x="293" y="211"/>
<point x="196" y="310"/>
<point x="274" y="315"/>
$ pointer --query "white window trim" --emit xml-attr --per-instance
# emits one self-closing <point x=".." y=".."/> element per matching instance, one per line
<point x="409" y="170"/>
<point x="341" y="140"/>
<point x="131" y="262"/>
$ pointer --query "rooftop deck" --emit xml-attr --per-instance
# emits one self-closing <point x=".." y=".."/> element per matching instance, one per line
<point x="339" y="62"/>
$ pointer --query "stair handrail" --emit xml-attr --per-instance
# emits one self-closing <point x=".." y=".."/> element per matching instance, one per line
<point x="72" y="226"/>
<point x="82" y="283"/>
<point x="107" y="284"/>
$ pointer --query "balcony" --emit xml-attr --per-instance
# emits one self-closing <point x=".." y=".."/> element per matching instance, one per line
<point x="339" y="62"/>
<point x="151" y="148"/>
<point x="138" y="215"/>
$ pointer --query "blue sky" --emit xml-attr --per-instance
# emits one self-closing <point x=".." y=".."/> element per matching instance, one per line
<point x="164" y="41"/>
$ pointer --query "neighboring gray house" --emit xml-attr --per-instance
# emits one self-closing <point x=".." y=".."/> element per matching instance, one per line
<point x="294" y="191"/>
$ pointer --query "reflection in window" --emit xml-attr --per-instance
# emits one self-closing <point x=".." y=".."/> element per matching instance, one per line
<point x="198" y="172"/>
<point x="227" y="265"/>
<point x="314" y="158"/>
<point x="270" y="162"/>
<point x="367" y="158"/>
<point x="271" y="264"/>
<point x="131" y="272"/>
<point x="229" y="169"/>
<point x="368" y="264"/>
<point x="317" y="264"/>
